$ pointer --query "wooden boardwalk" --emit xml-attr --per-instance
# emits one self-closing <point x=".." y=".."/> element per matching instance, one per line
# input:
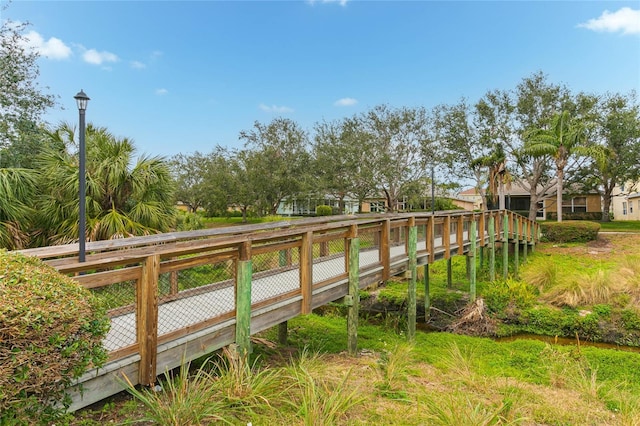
<point x="270" y="273"/>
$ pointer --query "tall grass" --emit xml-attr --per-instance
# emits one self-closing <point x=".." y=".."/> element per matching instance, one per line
<point x="319" y="400"/>
<point x="183" y="399"/>
<point x="457" y="409"/>
<point x="541" y="274"/>
<point x="394" y="368"/>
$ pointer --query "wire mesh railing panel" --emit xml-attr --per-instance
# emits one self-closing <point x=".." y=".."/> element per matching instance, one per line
<point x="369" y="246"/>
<point x="398" y="244"/>
<point x="328" y="259"/>
<point x="275" y="273"/>
<point x="194" y="295"/>
<point x="120" y="301"/>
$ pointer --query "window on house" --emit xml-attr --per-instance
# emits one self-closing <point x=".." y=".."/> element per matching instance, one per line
<point x="574" y="205"/>
<point x="624" y="208"/>
<point x="630" y="207"/>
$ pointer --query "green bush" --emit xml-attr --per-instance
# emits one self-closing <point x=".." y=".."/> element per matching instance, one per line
<point x="569" y="231"/>
<point x="576" y="216"/>
<point x="188" y="221"/>
<point x="324" y="211"/>
<point x="51" y="332"/>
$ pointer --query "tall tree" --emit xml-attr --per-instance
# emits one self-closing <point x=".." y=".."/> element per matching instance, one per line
<point x="398" y="135"/>
<point x="342" y="154"/>
<point x="563" y="138"/>
<point x="125" y="197"/>
<point x="22" y="99"/>
<point x="509" y="115"/>
<point x="189" y="172"/>
<point x="617" y="130"/>
<point x="283" y="160"/>
<point x="466" y="145"/>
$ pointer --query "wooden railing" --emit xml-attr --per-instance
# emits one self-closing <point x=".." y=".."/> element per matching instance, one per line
<point x="176" y="296"/>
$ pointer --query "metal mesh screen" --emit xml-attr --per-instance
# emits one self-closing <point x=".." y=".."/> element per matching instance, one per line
<point x="120" y="300"/>
<point x="369" y="246"/>
<point x="274" y="273"/>
<point x="328" y="259"/>
<point x="194" y="295"/>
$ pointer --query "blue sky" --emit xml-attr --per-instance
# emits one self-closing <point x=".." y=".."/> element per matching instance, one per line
<point x="186" y="76"/>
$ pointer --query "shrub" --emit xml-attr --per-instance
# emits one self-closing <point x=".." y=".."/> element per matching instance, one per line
<point x="324" y="211"/>
<point x="51" y="331"/>
<point x="188" y="221"/>
<point x="576" y="216"/>
<point x="570" y="231"/>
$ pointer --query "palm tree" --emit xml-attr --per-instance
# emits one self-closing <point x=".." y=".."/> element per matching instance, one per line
<point x="17" y="187"/>
<point x="124" y="197"/>
<point x="564" y="138"/>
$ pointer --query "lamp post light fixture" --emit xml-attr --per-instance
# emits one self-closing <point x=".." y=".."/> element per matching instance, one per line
<point x="82" y="100"/>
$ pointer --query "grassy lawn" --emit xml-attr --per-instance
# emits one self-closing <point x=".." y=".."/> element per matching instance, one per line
<point x="215" y="222"/>
<point x="439" y="379"/>
<point x="621" y="226"/>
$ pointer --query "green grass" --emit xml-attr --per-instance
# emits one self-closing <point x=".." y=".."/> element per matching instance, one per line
<point x="621" y="226"/>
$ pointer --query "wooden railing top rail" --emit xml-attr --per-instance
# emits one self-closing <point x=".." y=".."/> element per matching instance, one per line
<point x="192" y="241"/>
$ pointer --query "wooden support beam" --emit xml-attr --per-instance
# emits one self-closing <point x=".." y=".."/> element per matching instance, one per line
<point x="492" y="248"/>
<point x="516" y="247"/>
<point x="430" y="238"/>
<point x="472" y="260"/>
<point x="306" y="271"/>
<point x="147" y="319"/>
<point x="283" y="330"/>
<point x="481" y="233"/>
<point x="505" y="245"/>
<point x="460" y="234"/>
<point x="243" y="299"/>
<point x="427" y="295"/>
<point x="354" y="295"/>
<point x="446" y="236"/>
<point x="449" y="274"/>
<point x="385" y="249"/>
<point x="413" y="273"/>
<point x="525" y="247"/>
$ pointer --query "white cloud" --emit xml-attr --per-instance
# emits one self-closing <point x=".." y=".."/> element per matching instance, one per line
<point x="138" y="65"/>
<point x="54" y="48"/>
<point x="625" y="20"/>
<point x="275" y="108"/>
<point x="94" y="57"/>
<point x="340" y="2"/>
<point x="345" y="102"/>
<point x="161" y="92"/>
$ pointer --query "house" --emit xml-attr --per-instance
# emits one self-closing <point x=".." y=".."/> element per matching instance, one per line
<point x="625" y="201"/>
<point x="575" y="203"/>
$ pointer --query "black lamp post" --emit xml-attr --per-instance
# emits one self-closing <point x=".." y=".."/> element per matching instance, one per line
<point x="433" y="190"/>
<point x="82" y="100"/>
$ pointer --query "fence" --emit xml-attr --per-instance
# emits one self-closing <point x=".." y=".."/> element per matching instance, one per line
<point x="176" y="296"/>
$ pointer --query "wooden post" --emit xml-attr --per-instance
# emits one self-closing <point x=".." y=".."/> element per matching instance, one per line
<point x="472" y="260"/>
<point x="481" y="233"/>
<point x="282" y="332"/>
<point x="413" y="271"/>
<point x="446" y="236"/>
<point x="467" y="264"/>
<point x="354" y="291"/>
<point x="525" y="228"/>
<point x="427" y="296"/>
<point x="173" y="282"/>
<point x="431" y="235"/>
<point x="449" y="274"/>
<point x="505" y="246"/>
<point x="481" y="250"/>
<point x="516" y="247"/>
<point x="306" y="271"/>
<point x="147" y="319"/>
<point x="460" y="236"/>
<point x="243" y="299"/>
<point x="385" y="249"/>
<point x="492" y="248"/>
